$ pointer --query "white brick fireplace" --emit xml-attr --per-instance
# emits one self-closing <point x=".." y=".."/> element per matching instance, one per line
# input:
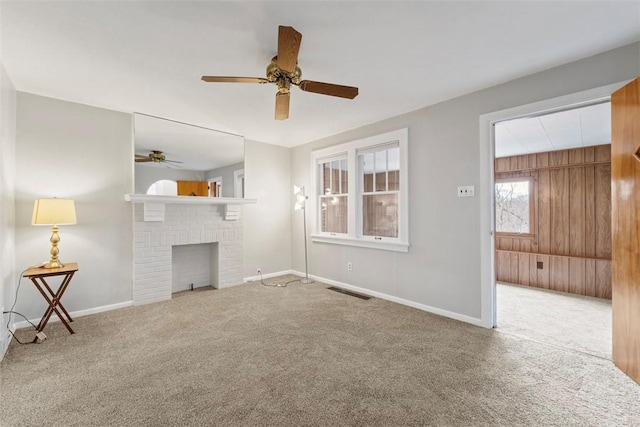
<point x="162" y="222"/>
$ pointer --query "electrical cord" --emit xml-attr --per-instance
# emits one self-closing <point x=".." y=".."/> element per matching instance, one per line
<point x="11" y="311"/>
<point x="276" y="285"/>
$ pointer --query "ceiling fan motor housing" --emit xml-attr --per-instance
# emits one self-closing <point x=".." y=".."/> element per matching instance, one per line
<point x="157" y="156"/>
<point x="282" y="78"/>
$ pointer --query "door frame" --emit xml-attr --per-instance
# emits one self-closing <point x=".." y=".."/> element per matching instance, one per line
<point x="488" y="308"/>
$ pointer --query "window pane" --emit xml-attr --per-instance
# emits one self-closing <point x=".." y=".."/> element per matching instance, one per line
<point x="333" y="214"/>
<point x="381" y="169"/>
<point x="344" y="177"/>
<point x="394" y="180"/>
<point x="335" y="177"/>
<point x="513" y="207"/>
<point x="381" y="181"/>
<point x="367" y="171"/>
<point x="393" y="159"/>
<point x="380" y="215"/>
<point x="326" y="178"/>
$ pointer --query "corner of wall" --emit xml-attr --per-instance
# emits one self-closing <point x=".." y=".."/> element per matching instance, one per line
<point x="268" y="222"/>
<point x="7" y="203"/>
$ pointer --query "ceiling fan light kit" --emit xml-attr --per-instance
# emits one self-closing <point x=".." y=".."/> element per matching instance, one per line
<point x="283" y="71"/>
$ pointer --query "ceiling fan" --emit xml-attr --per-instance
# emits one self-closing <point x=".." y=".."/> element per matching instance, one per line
<point x="156" y="156"/>
<point x="284" y="71"/>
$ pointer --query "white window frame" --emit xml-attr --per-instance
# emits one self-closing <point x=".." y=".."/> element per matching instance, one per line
<point x="328" y="159"/>
<point x="532" y="213"/>
<point x="238" y="176"/>
<point x="354" y="235"/>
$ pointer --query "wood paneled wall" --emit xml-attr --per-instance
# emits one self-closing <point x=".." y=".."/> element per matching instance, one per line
<point x="572" y="222"/>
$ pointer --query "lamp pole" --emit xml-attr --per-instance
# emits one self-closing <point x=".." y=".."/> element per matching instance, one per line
<point x="306" y="279"/>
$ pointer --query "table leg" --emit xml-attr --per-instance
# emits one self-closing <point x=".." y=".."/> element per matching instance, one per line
<point x="54" y="302"/>
<point x="57" y="296"/>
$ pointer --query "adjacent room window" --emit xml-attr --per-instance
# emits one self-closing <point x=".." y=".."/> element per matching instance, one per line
<point x="361" y="194"/>
<point x="514" y="206"/>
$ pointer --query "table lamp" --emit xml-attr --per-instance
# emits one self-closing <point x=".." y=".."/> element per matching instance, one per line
<point x="54" y="212"/>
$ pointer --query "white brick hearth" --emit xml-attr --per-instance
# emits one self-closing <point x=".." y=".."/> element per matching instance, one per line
<point x="184" y="224"/>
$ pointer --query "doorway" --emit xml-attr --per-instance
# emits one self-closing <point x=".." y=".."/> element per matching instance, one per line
<point x="487" y="181"/>
<point x="552" y="206"/>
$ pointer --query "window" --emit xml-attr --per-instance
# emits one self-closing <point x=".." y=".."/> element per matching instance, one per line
<point x="333" y="195"/>
<point x="514" y="206"/>
<point x="361" y="193"/>
<point x="379" y="170"/>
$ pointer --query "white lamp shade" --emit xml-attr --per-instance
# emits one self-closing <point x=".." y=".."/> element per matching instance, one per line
<point x="53" y="212"/>
<point x="296" y="189"/>
<point x="297" y="206"/>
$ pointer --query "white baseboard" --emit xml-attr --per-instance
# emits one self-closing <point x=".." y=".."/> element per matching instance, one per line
<point x="74" y="314"/>
<point x="6" y="341"/>
<point x="268" y="275"/>
<point x="376" y="294"/>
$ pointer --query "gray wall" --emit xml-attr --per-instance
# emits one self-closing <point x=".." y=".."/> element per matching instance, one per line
<point x="442" y="268"/>
<point x="84" y="153"/>
<point x="227" y="178"/>
<point x="71" y="150"/>
<point x="267" y="230"/>
<point x="147" y="175"/>
<point x="8" y="274"/>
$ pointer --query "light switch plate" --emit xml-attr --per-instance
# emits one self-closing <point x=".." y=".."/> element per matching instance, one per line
<point x="467" y="191"/>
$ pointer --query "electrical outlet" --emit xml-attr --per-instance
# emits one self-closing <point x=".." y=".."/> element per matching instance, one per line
<point x="466" y="191"/>
<point x="349" y="266"/>
<point x="259" y="271"/>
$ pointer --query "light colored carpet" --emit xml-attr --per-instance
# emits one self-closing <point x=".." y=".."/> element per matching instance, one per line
<point x="577" y="322"/>
<point x="301" y="356"/>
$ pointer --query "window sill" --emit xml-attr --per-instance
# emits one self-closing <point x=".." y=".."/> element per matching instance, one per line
<point x="348" y="241"/>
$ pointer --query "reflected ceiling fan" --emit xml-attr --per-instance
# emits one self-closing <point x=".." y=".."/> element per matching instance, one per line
<point x="156" y="156"/>
<point x="283" y="71"/>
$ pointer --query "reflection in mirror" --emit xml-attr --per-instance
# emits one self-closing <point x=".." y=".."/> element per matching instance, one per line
<point x="163" y="187"/>
<point x="189" y="156"/>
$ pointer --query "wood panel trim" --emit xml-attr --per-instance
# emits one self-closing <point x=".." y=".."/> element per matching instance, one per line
<point x="567" y="166"/>
<point x="555" y="255"/>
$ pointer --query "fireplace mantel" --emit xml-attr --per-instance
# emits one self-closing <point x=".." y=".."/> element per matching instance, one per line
<point x="154" y="205"/>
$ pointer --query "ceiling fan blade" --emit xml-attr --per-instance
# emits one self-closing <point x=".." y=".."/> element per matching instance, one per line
<point x="221" y="79"/>
<point x="171" y="161"/>
<point x="329" y="89"/>
<point x="288" y="47"/>
<point x="141" y="158"/>
<point x="282" y="106"/>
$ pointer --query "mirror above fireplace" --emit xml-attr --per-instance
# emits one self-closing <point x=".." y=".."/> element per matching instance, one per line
<point x="168" y="150"/>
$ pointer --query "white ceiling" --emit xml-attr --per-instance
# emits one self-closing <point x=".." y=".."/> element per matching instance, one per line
<point x="149" y="56"/>
<point x="578" y="127"/>
<point x="197" y="148"/>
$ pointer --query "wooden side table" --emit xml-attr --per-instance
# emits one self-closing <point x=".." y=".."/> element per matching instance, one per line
<point x="37" y="276"/>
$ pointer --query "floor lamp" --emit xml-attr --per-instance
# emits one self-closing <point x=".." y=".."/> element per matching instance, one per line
<point x="301" y="201"/>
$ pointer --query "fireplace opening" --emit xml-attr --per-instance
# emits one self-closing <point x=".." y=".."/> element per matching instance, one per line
<point x="194" y="265"/>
